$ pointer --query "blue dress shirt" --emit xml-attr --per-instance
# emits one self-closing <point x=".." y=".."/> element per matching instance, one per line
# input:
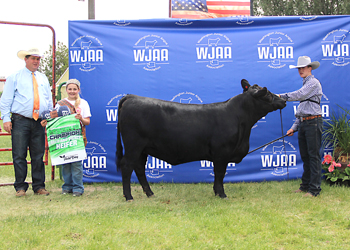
<point x="18" y="94"/>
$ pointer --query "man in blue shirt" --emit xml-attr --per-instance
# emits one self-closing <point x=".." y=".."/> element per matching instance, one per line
<point x="309" y="125"/>
<point x="19" y="114"/>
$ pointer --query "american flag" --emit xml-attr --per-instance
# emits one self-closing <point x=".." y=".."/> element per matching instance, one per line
<point x="199" y="9"/>
<point x="223" y="8"/>
<point x="190" y="9"/>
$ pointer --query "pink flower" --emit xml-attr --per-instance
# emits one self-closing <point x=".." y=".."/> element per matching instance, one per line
<point x="331" y="168"/>
<point x="327" y="159"/>
<point x="348" y="165"/>
<point x="334" y="164"/>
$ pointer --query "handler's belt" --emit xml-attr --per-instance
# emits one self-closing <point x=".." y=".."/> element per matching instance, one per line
<point x="309" y="117"/>
<point x="25" y="117"/>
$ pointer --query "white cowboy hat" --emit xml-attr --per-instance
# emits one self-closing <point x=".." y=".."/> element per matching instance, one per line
<point x="304" y="61"/>
<point x="33" y="52"/>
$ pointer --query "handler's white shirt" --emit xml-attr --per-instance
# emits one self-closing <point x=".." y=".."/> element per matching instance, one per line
<point x="84" y="106"/>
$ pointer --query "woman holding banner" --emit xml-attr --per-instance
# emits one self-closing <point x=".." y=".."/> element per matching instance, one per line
<point x="72" y="173"/>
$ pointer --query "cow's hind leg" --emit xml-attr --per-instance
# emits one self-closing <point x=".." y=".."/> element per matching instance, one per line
<point x="141" y="175"/>
<point x="219" y="171"/>
<point x="126" y="176"/>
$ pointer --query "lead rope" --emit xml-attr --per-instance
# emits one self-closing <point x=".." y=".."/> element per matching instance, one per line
<point x="284" y="146"/>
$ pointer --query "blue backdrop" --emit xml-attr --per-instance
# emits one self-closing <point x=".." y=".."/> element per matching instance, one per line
<point x="203" y="61"/>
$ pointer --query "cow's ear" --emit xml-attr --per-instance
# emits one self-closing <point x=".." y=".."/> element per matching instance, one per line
<point x="245" y="85"/>
<point x="260" y="92"/>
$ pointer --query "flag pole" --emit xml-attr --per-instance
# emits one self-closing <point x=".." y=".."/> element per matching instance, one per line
<point x="91" y="7"/>
<point x="169" y="8"/>
<point x="251" y="8"/>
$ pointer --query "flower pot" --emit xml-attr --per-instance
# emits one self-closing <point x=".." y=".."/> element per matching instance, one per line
<point x="338" y="183"/>
<point x="343" y="158"/>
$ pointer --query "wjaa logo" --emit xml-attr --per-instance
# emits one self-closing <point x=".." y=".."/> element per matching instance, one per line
<point x="121" y="23"/>
<point x="187" y="98"/>
<point x="279" y="157"/>
<point x="96" y="161"/>
<point x="86" y="52"/>
<point x="241" y="20"/>
<point x="244" y="20"/>
<point x="183" y="22"/>
<point x="275" y="49"/>
<point x="112" y="110"/>
<point x="151" y="52"/>
<point x="335" y="47"/>
<point x="214" y="50"/>
<point x="156" y="168"/>
<point x="308" y="18"/>
<point x="208" y="166"/>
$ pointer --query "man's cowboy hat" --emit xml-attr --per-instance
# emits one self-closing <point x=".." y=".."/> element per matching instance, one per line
<point x="32" y="52"/>
<point x="304" y="61"/>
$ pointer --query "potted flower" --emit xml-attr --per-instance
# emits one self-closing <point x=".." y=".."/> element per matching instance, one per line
<point x="336" y="135"/>
<point x="334" y="171"/>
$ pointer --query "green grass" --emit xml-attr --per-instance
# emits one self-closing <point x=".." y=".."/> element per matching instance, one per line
<point x="266" y="215"/>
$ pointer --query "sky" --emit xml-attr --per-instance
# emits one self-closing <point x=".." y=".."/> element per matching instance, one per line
<point x="57" y="14"/>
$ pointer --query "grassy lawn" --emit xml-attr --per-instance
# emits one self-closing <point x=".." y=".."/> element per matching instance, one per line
<point x="266" y="215"/>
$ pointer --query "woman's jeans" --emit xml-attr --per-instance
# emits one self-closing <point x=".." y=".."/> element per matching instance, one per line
<point x="72" y="174"/>
<point x="309" y="137"/>
<point x="26" y="133"/>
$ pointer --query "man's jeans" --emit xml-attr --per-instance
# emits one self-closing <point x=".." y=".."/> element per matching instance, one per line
<point x="28" y="133"/>
<point x="309" y="137"/>
<point x="72" y="174"/>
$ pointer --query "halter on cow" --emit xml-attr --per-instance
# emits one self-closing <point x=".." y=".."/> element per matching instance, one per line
<point x="179" y="133"/>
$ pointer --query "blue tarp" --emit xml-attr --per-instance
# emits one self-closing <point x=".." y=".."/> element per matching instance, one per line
<point x="203" y="61"/>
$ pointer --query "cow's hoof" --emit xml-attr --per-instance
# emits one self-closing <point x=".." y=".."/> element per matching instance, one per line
<point x="222" y="196"/>
<point x="149" y="194"/>
<point x="130" y="200"/>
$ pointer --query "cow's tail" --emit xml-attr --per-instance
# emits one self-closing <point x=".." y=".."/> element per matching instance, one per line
<point x="119" y="153"/>
<point x="119" y="146"/>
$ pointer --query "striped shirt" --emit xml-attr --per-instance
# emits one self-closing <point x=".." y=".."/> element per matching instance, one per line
<point x="311" y="90"/>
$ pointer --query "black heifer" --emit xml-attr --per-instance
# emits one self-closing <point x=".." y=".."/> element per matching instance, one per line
<point x="179" y="133"/>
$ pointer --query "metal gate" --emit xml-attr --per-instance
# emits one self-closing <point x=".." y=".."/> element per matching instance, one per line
<point x="52" y="90"/>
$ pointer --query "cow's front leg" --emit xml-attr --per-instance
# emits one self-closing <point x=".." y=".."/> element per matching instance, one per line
<point x="219" y="171"/>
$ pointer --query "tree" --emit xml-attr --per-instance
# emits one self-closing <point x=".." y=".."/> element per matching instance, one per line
<point x="61" y="62"/>
<point x="300" y="7"/>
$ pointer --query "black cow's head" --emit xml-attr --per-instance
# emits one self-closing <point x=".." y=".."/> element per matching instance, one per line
<point x="263" y="94"/>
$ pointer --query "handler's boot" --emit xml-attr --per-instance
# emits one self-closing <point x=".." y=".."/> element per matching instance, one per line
<point x="20" y="193"/>
<point x="42" y="191"/>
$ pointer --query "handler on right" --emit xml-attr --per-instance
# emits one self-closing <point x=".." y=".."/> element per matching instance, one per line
<point x="309" y="125"/>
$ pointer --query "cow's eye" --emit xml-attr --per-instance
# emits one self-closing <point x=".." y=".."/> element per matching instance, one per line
<point x="268" y="97"/>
